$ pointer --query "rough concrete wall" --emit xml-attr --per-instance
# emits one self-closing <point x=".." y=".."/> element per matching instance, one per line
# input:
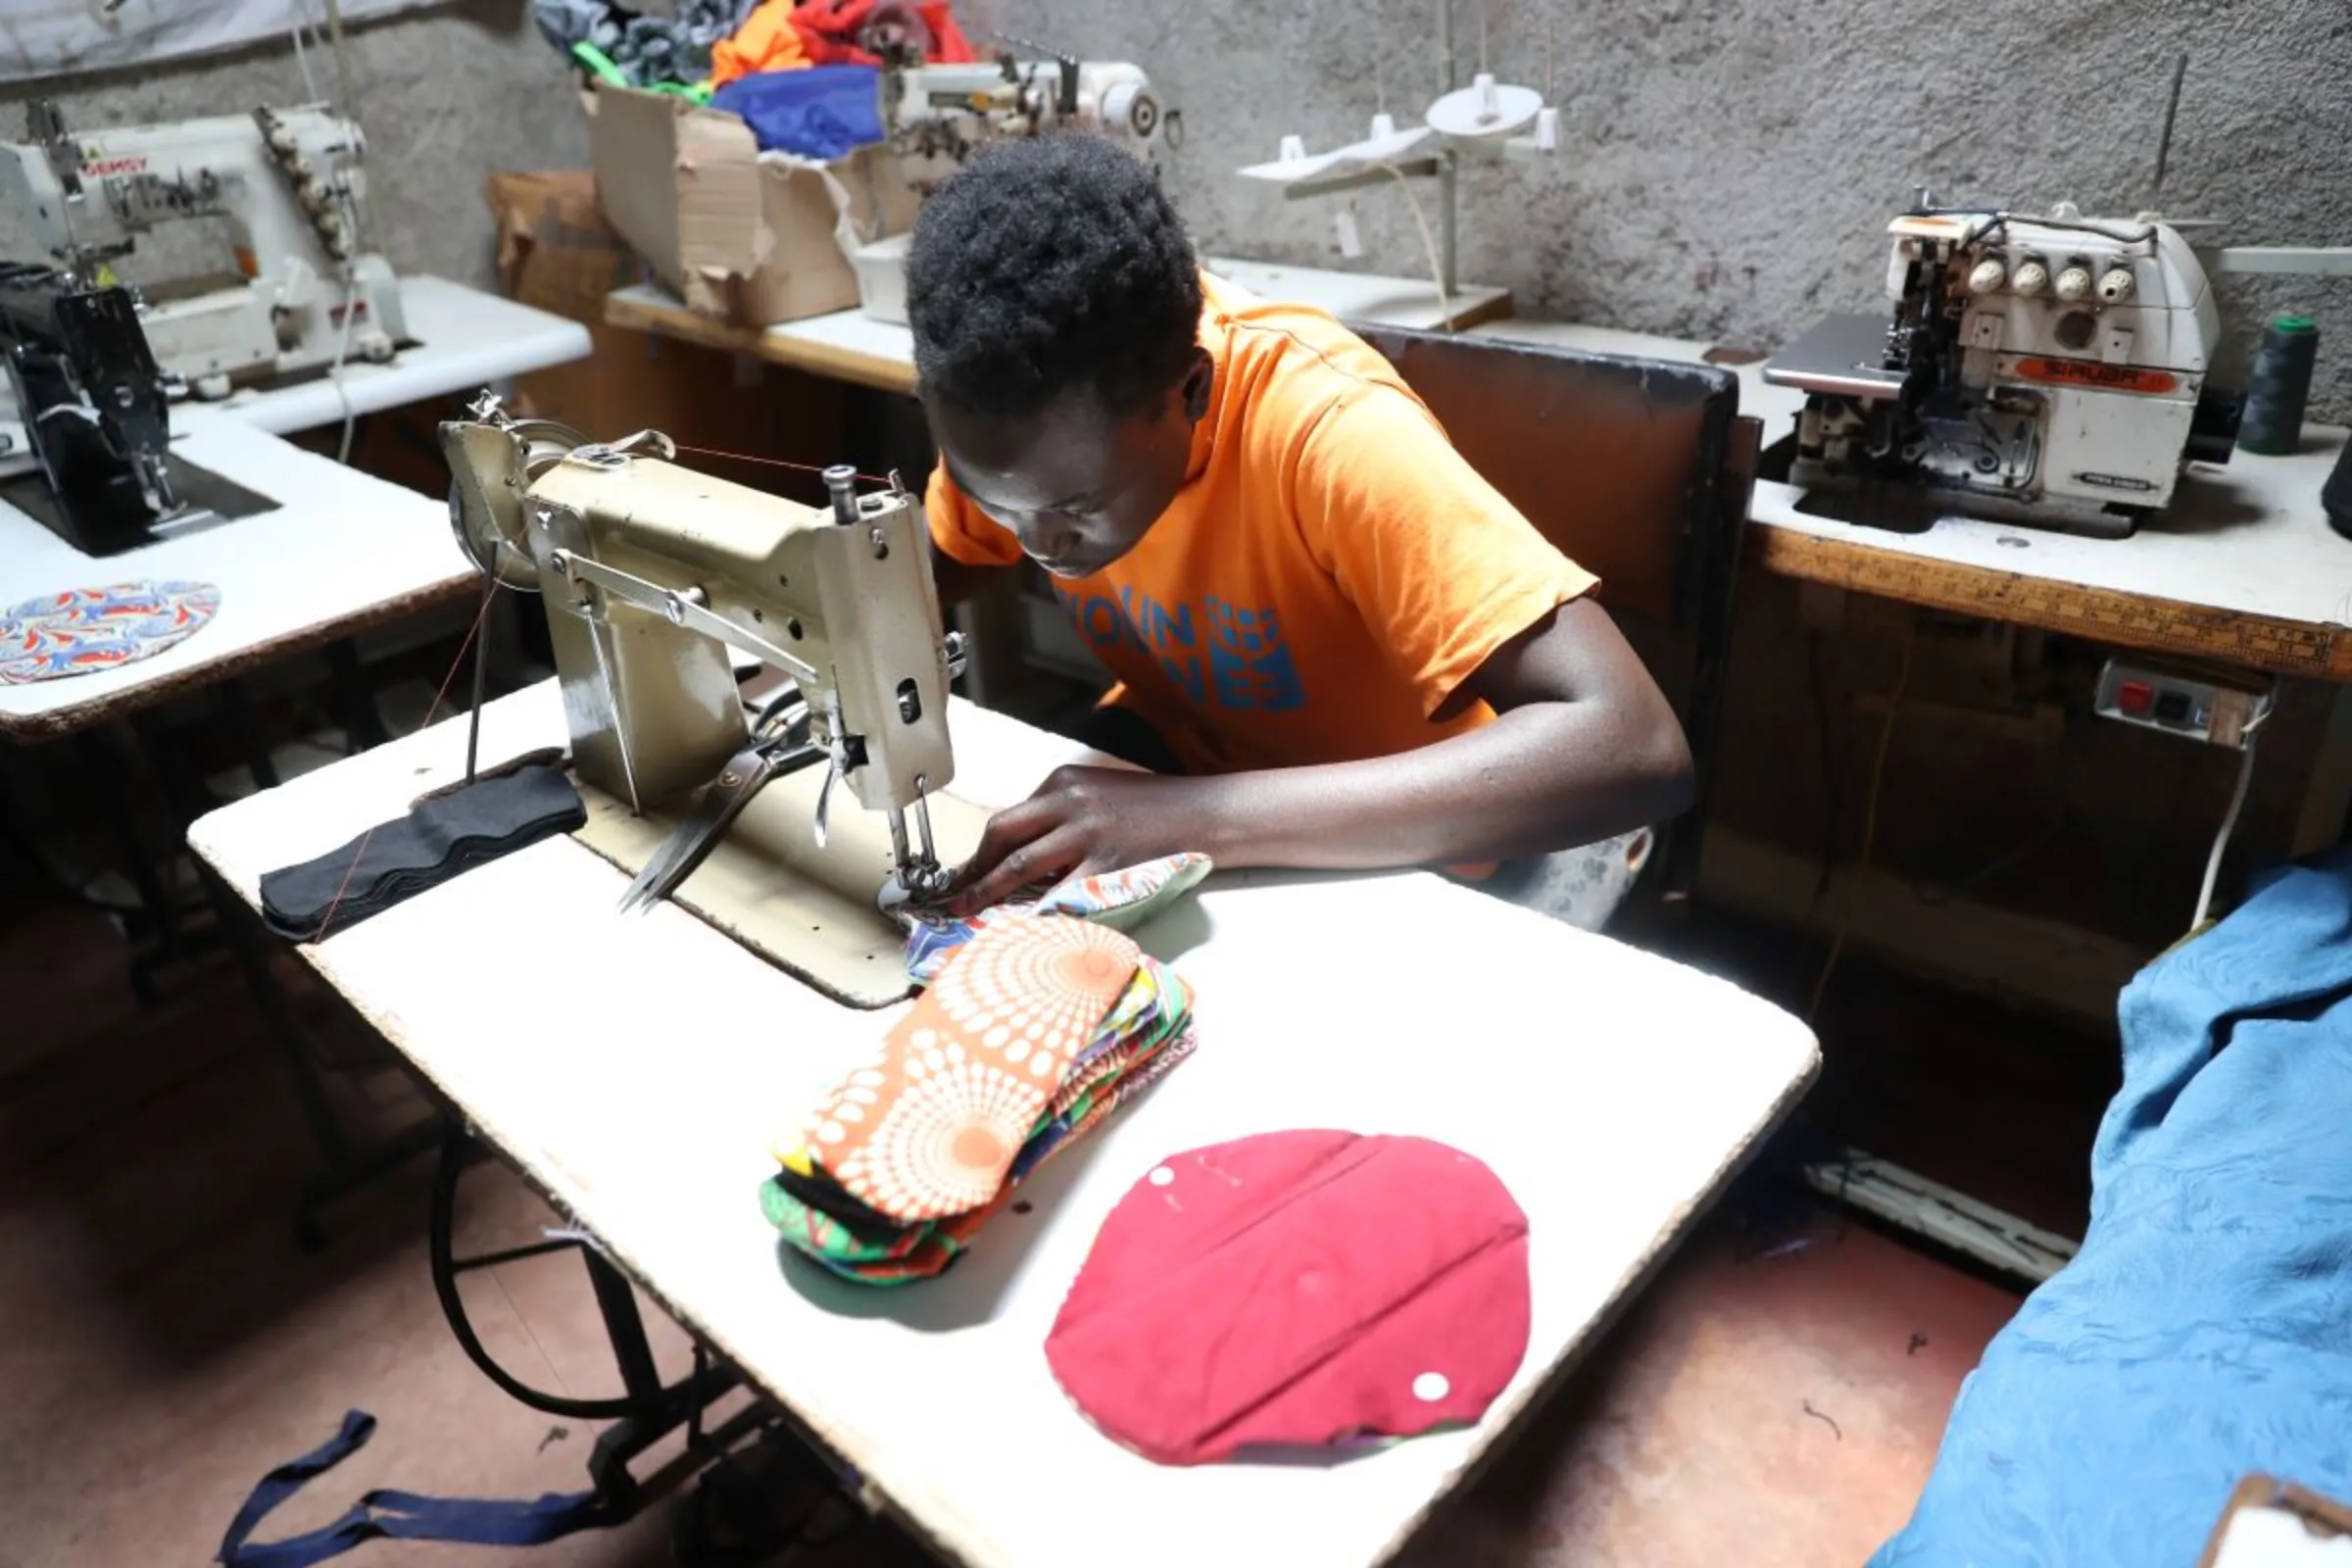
<point x="1726" y="171"/>
<point x="446" y="97"/>
<point x="1729" y="166"/>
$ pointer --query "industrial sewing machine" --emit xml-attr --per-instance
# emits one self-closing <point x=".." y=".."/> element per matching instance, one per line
<point x="96" y="421"/>
<point x="2048" y="371"/>
<point x="937" y="117"/>
<point x="650" y="573"/>
<point x="298" y="295"/>
<point x="92" y="404"/>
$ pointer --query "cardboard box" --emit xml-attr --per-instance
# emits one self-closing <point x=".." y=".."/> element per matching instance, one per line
<point x="743" y="238"/>
<point x="556" y="252"/>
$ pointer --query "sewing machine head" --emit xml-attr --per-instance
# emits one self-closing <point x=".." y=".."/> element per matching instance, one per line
<point x="650" y="573"/>
<point x="937" y="116"/>
<point x="297" y="296"/>
<point x="2050" y="370"/>
<point x="93" y="408"/>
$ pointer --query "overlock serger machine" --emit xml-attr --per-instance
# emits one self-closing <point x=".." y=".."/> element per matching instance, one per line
<point x="296" y="295"/>
<point x="650" y="573"/>
<point x="2049" y="371"/>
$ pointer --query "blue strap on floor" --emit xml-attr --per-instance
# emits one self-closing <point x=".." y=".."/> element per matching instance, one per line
<point x="399" y="1515"/>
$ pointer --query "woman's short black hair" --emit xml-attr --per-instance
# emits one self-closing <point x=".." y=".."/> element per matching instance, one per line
<point x="1051" y="264"/>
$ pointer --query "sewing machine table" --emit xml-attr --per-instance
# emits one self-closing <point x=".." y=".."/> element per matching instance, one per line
<point x="639" y="1069"/>
<point x="341" y="552"/>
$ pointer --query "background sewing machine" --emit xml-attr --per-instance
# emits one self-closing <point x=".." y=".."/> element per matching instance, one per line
<point x="96" y="423"/>
<point x="297" y="296"/>
<point x="2049" y="371"/>
<point x="2053" y="371"/>
<point x="650" y="573"/>
<point x="937" y="115"/>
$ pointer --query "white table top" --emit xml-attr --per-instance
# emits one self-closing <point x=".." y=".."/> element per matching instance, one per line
<point x="342" y="550"/>
<point x="853" y="346"/>
<point x="847" y="333"/>
<point x="466" y="339"/>
<point x="2247" y="537"/>
<point x="640" y="1069"/>
<point x="1406" y="302"/>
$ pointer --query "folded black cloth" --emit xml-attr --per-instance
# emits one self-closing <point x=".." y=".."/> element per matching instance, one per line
<point x="841" y="1206"/>
<point x="442" y="837"/>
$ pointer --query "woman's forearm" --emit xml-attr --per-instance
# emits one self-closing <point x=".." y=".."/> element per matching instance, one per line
<point x="1546" y="777"/>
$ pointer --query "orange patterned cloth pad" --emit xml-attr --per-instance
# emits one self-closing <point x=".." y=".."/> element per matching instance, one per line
<point x="928" y="1127"/>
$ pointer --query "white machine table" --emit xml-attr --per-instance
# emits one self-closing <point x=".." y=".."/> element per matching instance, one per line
<point x="852" y="347"/>
<point x="465" y="338"/>
<point x="639" y="1069"/>
<point x="341" y="552"/>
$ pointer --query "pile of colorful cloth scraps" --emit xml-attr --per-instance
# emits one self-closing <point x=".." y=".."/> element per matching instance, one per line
<point x="1038" y="1019"/>
<point x="630" y="50"/>
<point x="710" y="43"/>
<point x="793" y="34"/>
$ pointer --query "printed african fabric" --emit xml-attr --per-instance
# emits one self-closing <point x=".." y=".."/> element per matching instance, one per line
<point x="83" y="630"/>
<point x="1039" y="1019"/>
<point x="1122" y="900"/>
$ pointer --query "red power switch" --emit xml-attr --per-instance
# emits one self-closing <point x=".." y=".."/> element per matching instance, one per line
<point x="2136" y="698"/>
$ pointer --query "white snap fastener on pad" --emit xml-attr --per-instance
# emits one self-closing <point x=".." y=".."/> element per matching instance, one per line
<point x="1431" y="1386"/>
<point x="1163" y="1176"/>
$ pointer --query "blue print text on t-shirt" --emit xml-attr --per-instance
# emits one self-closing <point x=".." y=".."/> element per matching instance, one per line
<point x="1217" y="654"/>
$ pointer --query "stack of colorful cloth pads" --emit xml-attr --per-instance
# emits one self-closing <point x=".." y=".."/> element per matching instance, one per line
<point x="1038" y="1019"/>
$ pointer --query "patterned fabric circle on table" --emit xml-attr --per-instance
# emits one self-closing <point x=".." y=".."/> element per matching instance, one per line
<point x="87" y="629"/>
<point x="929" y="1126"/>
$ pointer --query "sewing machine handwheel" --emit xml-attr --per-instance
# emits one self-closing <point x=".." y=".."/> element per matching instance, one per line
<point x="525" y="581"/>
<point x="544" y="443"/>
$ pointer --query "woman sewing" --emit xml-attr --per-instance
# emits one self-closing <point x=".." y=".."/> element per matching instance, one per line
<point x="1336" y="646"/>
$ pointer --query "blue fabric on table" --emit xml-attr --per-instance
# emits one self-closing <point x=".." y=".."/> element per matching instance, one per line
<point x="820" y="111"/>
<point x="2205" y="1329"/>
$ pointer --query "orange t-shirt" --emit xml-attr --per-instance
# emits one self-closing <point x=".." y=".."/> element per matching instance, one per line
<point x="1329" y="575"/>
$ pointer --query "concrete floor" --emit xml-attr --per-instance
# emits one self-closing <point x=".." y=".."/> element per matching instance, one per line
<point x="166" y="1344"/>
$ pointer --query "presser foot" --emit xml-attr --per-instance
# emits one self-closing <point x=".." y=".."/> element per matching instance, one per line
<point x="912" y="888"/>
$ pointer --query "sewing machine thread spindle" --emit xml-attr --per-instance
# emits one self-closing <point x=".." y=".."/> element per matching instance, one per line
<point x="841" y="483"/>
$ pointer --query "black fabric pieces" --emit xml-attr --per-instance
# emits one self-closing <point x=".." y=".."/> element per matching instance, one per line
<point x="831" y="1199"/>
<point x="443" y="837"/>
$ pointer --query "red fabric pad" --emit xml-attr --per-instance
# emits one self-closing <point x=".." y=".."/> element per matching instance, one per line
<point x="1297" y="1288"/>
